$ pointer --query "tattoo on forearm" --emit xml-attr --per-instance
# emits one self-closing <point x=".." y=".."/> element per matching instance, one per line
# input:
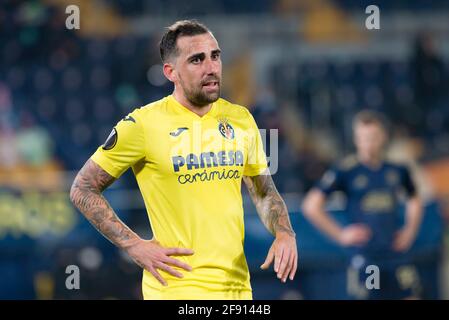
<point x="86" y="195"/>
<point x="269" y="204"/>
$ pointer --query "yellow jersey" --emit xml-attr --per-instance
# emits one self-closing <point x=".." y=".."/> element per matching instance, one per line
<point x="189" y="170"/>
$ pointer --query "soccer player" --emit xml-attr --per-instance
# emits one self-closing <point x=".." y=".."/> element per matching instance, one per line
<point x="189" y="153"/>
<point x="374" y="188"/>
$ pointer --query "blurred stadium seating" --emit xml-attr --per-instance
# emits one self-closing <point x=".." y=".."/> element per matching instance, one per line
<point x="61" y="92"/>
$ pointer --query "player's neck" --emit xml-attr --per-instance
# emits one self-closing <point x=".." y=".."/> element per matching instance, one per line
<point x="373" y="162"/>
<point x="200" y="111"/>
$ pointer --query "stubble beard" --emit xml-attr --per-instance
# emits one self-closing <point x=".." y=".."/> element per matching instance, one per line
<point x="198" y="97"/>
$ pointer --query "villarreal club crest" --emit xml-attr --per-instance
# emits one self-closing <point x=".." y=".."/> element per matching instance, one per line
<point x="225" y="128"/>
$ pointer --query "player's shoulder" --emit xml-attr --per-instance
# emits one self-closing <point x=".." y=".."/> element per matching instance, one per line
<point x="152" y="107"/>
<point x="149" y="110"/>
<point x="396" y="165"/>
<point x="348" y="163"/>
<point x="233" y="108"/>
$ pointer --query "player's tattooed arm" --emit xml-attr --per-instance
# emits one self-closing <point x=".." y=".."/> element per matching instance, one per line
<point x="86" y="195"/>
<point x="269" y="204"/>
<point x="274" y="214"/>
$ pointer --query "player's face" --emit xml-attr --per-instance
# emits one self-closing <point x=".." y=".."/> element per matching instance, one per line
<point x="198" y="69"/>
<point x="369" y="140"/>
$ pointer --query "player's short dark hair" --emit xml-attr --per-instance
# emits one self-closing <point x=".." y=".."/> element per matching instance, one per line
<point x="167" y="45"/>
<point x="370" y="117"/>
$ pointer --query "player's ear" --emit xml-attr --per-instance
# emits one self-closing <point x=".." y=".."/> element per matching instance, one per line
<point x="169" y="71"/>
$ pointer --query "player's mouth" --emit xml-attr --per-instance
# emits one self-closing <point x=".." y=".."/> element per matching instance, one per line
<point x="211" y="84"/>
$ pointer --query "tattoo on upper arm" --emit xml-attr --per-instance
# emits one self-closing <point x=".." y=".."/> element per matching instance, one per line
<point x="86" y="195"/>
<point x="269" y="203"/>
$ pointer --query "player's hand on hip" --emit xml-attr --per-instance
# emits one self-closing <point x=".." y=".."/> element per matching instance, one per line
<point x="150" y="255"/>
<point x="285" y="255"/>
<point x="355" y="235"/>
<point x="404" y="239"/>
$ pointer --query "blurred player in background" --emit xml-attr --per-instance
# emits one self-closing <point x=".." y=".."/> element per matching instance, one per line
<point x="373" y="187"/>
<point x="189" y="152"/>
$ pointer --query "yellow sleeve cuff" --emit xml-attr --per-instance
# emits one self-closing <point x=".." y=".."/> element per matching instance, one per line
<point x="99" y="158"/>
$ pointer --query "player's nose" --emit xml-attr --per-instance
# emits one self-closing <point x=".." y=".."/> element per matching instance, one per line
<point x="212" y="67"/>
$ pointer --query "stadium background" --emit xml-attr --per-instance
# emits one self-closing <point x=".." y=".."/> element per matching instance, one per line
<point x="303" y="67"/>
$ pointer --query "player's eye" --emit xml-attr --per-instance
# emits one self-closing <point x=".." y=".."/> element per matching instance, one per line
<point x="195" y="60"/>
<point x="215" y="56"/>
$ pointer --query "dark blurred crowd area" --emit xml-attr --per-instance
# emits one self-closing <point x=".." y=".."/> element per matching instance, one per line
<point x="61" y="92"/>
<point x="64" y="91"/>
